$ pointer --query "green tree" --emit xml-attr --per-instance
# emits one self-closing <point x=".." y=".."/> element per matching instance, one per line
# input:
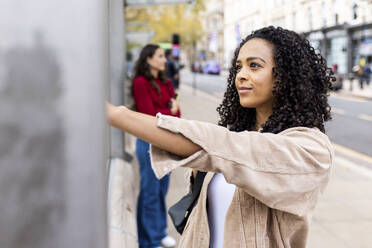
<point x="164" y="20"/>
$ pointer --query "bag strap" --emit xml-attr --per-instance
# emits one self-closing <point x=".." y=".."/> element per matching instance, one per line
<point x="197" y="185"/>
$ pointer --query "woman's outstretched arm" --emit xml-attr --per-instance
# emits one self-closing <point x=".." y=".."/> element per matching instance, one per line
<point x="144" y="127"/>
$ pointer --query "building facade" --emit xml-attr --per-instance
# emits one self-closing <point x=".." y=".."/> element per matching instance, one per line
<point x="340" y="29"/>
<point x="211" y="47"/>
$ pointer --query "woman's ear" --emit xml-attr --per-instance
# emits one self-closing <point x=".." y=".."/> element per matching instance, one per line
<point x="148" y="61"/>
<point x="276" y="74"/>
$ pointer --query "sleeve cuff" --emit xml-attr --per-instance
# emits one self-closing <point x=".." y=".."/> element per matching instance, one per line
<point x="163" y="162"/>
<point x="165" y="121"/>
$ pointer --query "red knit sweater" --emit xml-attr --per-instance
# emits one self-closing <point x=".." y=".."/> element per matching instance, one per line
<point x="148" y="100"/>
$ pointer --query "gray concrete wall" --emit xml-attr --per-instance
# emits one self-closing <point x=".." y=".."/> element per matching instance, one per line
<point x="117" y="66"/>
<point x="121" y="187"/>
<point x="53" y="70"/>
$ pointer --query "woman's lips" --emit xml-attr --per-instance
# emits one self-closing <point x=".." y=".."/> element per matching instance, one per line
<point x="243" y="90"/>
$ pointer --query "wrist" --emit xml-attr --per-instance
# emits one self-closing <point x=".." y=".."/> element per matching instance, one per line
<point x="114" y="114"/>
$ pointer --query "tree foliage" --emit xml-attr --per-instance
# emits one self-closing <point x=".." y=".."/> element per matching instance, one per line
<point x="165" y="20"/>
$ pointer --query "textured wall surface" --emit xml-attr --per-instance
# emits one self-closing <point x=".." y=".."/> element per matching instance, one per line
<point x="53" y="71"/>
<point x="122" y="205"/>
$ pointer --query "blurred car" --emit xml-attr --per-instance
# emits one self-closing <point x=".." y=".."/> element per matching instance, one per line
<point x="212" y="67"/>
<point x="338" y="83"/>
<point x="197" y="67"/>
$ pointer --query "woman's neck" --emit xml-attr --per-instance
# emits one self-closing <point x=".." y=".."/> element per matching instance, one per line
<point x="154" y="72"/>
<point x="262" y="115"/>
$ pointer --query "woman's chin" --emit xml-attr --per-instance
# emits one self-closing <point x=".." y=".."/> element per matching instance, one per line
<point x="245" y="104"/>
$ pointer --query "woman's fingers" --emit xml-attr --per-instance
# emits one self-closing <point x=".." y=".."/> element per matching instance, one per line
<point x="175" y="103"/>
<point x="175" y="107"/>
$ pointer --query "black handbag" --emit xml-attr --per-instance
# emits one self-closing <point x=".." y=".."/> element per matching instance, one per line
<point x="181" y="211"/>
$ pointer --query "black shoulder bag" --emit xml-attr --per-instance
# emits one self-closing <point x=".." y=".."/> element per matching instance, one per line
<point x="181" y="211"/>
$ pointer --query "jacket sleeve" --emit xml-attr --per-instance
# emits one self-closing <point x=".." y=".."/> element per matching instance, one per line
<point x="143" y="100"/>
<point x="285" y="171"/>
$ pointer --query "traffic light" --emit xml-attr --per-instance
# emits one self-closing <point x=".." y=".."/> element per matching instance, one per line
<point x="176" y="45"/>
<point x="175" y="39"/>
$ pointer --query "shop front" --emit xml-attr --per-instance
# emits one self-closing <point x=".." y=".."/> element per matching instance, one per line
<point x="336" y="52"/>
<point x="362" y="43"/>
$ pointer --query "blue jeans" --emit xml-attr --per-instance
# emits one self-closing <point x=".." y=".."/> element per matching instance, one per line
<point x="151" y="207"/>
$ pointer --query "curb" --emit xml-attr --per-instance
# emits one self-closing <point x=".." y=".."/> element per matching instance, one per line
<point x="367" y="98"/>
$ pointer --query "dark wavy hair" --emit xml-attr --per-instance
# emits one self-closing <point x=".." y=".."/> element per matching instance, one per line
<point x="142" y="68"/>
<point x="301" y="85"/>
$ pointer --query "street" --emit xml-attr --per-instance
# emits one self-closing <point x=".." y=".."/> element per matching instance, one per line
<point x="211" y="84"/>
<point x="351" y="126"/>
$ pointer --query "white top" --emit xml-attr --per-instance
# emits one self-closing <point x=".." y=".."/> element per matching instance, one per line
<point x="220" y="194"/>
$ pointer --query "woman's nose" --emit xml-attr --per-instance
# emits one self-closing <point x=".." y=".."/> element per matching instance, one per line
<point x="242" y="76"/>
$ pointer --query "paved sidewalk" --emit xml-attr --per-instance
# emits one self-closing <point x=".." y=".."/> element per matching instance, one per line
<point x="343" y="217"/>
<point x="352" y="88"/>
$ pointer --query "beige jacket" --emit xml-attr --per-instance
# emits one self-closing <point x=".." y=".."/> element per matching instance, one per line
<point x="279" y="178"/>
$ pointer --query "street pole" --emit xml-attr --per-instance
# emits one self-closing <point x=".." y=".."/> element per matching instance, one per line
<point x="53" y="84"/>
<point x="350" y="57"/>
<point x="194" y="86"/>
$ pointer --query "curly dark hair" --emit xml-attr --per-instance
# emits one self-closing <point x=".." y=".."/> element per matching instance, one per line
<point x="142" y="68"/>
<point x="301" y="85"/>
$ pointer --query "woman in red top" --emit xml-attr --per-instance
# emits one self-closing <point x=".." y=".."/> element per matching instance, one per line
<point x="152" y="93"/>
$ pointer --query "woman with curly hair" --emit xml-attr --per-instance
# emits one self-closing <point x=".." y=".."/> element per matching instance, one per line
<point x="268" y="160"/>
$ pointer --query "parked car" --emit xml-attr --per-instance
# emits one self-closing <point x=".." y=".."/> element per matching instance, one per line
<point x="197" y="67"/>
<point x="338" y="83"/>
<point x="212" y="67"/>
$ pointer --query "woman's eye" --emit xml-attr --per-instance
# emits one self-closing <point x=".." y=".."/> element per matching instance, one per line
<point x="238" y="67"/>
<point x="254" y="65"/>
